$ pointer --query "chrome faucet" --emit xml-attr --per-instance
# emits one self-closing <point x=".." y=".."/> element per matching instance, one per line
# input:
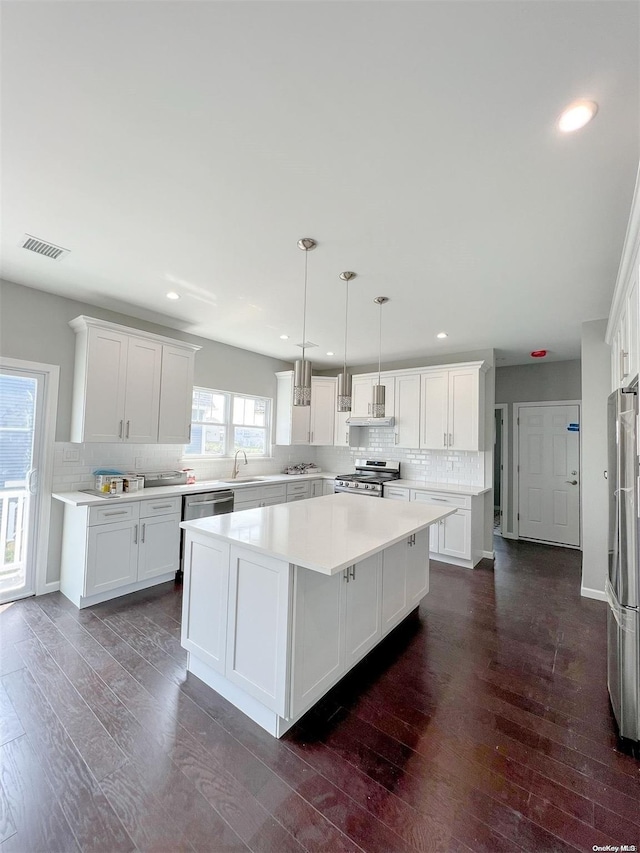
<point x="236" y="468"/>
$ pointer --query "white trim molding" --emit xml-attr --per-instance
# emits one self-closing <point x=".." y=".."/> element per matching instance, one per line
<point x="598" y="594"/>
<point x="51" y="376"/>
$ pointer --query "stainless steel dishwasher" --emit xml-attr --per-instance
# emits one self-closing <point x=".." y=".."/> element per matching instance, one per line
<point x="203" y="505"/>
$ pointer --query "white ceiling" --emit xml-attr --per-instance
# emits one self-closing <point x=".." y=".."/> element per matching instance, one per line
<point x="188" y="146"/>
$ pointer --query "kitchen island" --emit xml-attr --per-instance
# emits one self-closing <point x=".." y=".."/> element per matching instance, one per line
<point x="281" y="601"/>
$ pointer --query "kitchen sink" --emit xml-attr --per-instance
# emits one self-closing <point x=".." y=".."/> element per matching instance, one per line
<point x="244" y="480"/>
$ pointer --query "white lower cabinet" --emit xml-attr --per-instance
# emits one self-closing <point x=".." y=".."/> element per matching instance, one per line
<point x="405" y="577"/>
<point x="317" y="488"/>
<point x="273" y="637"/>
<point x="259" y="496"/>
<point x="458" y="536"/>
<point x="112" y="550"/>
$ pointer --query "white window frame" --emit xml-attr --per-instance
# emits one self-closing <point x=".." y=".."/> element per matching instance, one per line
<point x="228" y="425"/>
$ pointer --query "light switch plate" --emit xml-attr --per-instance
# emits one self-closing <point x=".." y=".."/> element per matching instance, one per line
<point x="71" y="455"/>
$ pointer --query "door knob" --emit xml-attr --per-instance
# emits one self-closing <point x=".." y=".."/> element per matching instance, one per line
<point x="572" y="482"/>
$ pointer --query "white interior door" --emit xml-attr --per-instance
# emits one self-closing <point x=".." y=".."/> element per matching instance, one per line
<point x="549" y="473"/>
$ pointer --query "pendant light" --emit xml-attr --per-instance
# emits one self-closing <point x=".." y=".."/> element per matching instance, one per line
<point x="377" y="409"/>
<point x="344" y="378"/>
<point x="302" y="367"/>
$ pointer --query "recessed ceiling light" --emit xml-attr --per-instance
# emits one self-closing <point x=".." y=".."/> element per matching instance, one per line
<point x="284" y="337"/>
<point x="173" y="295"/>
<point x="577" y="115"/>
<point x="442" y="335"/>
<point x="330" y="353"/>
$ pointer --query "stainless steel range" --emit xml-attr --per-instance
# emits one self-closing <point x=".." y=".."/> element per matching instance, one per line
<point x="369" y="477"/>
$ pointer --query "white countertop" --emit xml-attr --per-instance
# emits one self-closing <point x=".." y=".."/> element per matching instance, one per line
<point x="325" y="534"/>
<point x="445" y="488"/>
<point x="83" y="499"/>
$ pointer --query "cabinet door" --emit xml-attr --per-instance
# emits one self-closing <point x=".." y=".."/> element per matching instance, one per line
<point x="176" y="395"/>
<point x="316" y="488"/>
<point x="257" y="636"/>
<point x="362" y="622"/>
<point x="433" y="410"/>
<point x="300" y="424"/>
<point x="633" y="360"/>
<point x="464" y="409"/>
<point x="434" y="538"/>
<point x="105" y="381"/>
<point x="112" y="556"/>
<point x="329" y="487"/>
<point x="204" y="599"/>
<point x="394" y="584"/>
<point x="251" y="504"/>
<point x="455" y="535"/>
<point x="159" y="551"/>
<point x="142" y="394"/>
<point x="407" y="411"/>
<point x="361" y="393"/>
<point x="418" y="568"/>
<point x="317" y="636"/>
<point x="341" y="430"/>
<point x="323" y="408"/>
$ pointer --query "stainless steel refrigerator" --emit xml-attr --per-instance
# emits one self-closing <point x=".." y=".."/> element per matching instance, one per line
<point x="623" y="617"/>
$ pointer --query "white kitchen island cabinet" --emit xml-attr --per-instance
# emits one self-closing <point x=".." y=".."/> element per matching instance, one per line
<point x="281" y="601"/>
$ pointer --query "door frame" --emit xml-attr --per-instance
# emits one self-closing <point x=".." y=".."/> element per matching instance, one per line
<point x="504" y="461"/>
<point x="51" y="380"/>
<point x="516" y="456"/>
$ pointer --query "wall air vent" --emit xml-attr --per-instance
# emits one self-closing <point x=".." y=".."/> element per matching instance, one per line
<point x="41" y="247"/>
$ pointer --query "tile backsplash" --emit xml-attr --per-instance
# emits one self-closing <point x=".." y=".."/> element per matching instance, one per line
<point x="70" y="475"/>
<point x="429" y="466"/>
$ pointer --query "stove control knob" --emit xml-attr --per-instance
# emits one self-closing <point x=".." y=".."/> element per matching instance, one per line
<point x="353" y="485"/>
<point x="367" y="486"/>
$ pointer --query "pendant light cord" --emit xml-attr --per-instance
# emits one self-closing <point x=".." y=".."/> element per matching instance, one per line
<point x="304" y="308"/>
<point x="346" y="316"/>
<point x="380" y="346"/>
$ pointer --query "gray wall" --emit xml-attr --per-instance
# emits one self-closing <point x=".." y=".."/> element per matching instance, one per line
<point x="533" y="383"/>
<point x="34" y="326"/>
<point x="596" y="386"/>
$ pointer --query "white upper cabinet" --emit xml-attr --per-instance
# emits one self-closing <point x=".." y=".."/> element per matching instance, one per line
<point x="120" y="380"/>
<point x="176" y="395"/>
<point x="323" y="410"/>
<point x="452" y="408"/>
<point x="293" y="423"/>
<point x="407" y="410"/>
<point x="314" y="424"/>
<point x="362" y="394"/>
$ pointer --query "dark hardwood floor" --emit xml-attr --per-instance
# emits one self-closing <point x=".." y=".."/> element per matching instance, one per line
<point x="481" y="724"/>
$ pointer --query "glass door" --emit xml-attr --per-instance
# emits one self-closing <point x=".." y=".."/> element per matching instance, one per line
<point x="21" y="449"/>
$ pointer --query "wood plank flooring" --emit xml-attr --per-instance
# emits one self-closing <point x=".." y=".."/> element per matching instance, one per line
<point x="481" y="724"/>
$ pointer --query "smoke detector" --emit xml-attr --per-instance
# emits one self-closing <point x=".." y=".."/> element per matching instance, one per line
<point x="42" y="247"/>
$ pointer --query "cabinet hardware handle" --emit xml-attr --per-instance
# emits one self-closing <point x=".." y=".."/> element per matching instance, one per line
<point x="353" y="573"/>
<point x="128" y="425"/>
<point x="369" y="409"/>
<point x="116" y="512"/>
<point x="162" y="506"/>
<point x="144" y="527"/>
<point x="189" y="433"/>
<point x="444" y="440"/>
<point x="311" y="436"/>
<point x="450" y="439"/>
<point x="442" y="500"/>
<point x="345" y="575"/>
<point x="135" y="535"/>
<point x="120" y="430"/>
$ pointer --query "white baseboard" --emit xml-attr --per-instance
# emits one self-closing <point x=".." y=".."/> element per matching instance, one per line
<point x="510" y="536"/>
<point x="489" y="555"/>
<point x="598" y="594"/>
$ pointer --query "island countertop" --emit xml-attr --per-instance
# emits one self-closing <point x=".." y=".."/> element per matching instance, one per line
<point x="324" y="534"/>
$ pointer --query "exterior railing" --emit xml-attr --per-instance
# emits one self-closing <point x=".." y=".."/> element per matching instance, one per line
<point x="13" y="506"/>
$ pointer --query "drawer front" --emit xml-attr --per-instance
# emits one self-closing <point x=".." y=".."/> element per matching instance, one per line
<point x="299" y="489"/>
<point x="395" y="494"/>
<point x="291" y="498"/>
<point x="441" y="499"/>
<point x="258" y="493"/>
<point x="113" y="512"/>
<point x="160" y="506"/>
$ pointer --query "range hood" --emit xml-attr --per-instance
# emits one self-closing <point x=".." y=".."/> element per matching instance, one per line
<point x="370" y="422"/>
